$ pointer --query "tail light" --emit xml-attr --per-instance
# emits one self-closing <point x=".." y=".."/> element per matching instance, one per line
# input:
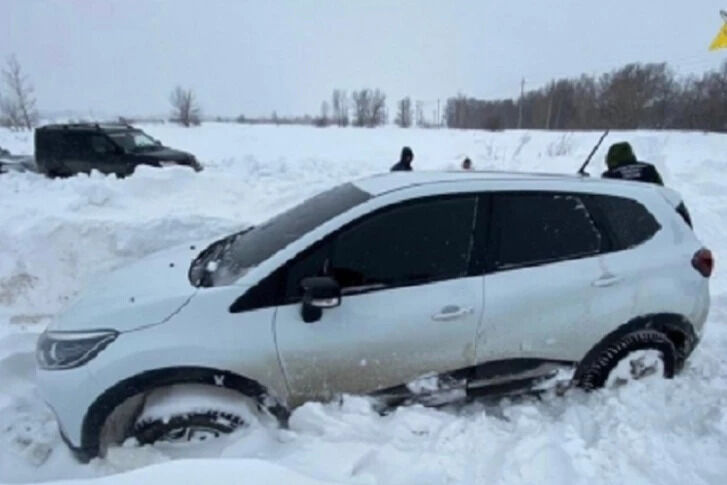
<point x="703" y="261"/>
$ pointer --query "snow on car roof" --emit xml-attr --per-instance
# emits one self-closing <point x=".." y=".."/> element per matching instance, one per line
<point x="387" y="182"/>
<point x="382" y="183"/>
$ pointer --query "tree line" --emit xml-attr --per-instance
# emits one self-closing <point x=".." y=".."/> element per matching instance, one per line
<point x="636" y="96"/>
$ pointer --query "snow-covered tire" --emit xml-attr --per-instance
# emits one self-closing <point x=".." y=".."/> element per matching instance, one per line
<point x="191" y="413"/>
<point x="206" y="425"/>
<point x="595" y="369"/>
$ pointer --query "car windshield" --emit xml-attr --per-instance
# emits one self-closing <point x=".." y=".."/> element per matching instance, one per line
<point x="134" y="141"/>
<point x="227" y="260"/>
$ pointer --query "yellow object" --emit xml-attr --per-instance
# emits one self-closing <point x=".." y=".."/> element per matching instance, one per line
<point x="720" y="42"/>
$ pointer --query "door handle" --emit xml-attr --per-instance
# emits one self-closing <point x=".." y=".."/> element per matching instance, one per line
<point x="451" y="313"/>
<point x="607" y="280"/>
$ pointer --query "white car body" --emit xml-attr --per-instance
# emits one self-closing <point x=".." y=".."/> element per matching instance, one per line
<point x="169" y="332"/>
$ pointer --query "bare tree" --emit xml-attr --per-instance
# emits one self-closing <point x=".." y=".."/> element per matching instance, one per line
<point x="185" y="109"/>
<point x="378" y="109"/>
<point x="361" y="107"/>
<point x="322" y="120"/>
<point x="18" y="106"/>
<point x="339" y="103"/>
<point x="369" y="107"/>
<point x="324" y="112"/>
<point x="404" y="113"/>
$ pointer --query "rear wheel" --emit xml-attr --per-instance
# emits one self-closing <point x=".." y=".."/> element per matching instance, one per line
<point x="634" y="356"/>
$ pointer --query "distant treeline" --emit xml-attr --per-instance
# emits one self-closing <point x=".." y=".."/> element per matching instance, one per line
<point x="636" y="96"/>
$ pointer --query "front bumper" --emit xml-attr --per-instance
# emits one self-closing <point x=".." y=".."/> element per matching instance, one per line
<point x="81" y="454"/>
<point x="69" y="393"/>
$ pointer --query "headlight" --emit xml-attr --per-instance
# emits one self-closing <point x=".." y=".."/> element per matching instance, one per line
<point x="66" y="350"/>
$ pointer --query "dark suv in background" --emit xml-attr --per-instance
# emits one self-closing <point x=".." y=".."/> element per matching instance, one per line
<point x="64" y="150"/>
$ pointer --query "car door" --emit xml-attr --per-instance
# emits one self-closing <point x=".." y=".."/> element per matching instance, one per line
<point x="104" y="156"/>
<point x="75" y="153"/>
<point x="645" y="258"/>
<point x="544" y="280"/>
<point x="409" y="307"/>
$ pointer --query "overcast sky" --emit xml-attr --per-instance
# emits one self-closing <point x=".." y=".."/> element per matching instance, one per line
<point x="253" y="57"/>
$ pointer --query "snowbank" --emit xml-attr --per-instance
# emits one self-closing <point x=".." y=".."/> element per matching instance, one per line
<point x="59" y="234"/>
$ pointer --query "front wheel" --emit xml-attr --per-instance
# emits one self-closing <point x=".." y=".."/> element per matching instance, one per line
<point x="193" y="414"/>
<point x="634" y="356"/>
<point x="192" y="427"/>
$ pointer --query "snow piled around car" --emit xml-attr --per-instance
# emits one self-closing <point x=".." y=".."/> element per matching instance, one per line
<point x="58" y="235"/>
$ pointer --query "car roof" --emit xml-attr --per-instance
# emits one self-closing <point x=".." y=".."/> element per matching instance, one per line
<point x="104" y="127"/>
<point x="388" y="182"/>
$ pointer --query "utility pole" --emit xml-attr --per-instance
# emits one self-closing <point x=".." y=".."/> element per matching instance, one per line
<point x="439" y="119"/>
<point x="551" y="88"/>
<point x="520" y="111"/>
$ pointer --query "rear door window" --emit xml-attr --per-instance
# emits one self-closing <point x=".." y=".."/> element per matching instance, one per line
<point x="77" y="145"/>
<point x="540" y="227"/>
<point x="628" y="221"/>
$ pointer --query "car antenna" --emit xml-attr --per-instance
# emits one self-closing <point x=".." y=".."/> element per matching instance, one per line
<point x="582" y="170"/>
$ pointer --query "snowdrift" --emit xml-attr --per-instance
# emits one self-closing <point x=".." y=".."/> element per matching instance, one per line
<point x="58" y="235"/>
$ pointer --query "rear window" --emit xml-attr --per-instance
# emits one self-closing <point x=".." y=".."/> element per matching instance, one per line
<point x="51" y="143"/>
<point x="629" y="222"/>
<point x="684" y="213"/>
<point x="541" y="227"/>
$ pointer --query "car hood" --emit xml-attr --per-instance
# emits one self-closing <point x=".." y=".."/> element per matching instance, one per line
<point x="168" y="154"/>
<point x="147" y="292"/>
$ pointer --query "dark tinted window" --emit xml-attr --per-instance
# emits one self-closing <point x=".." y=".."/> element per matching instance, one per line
<point x="50" y="144"/>
<point x="542" y="227"/>
<point x="629" y="222"/>
<point x="424" y="241"/>
<point x="314" y="262"/>
<point x="77" y="145"/>
<point x="100" y="145"/>
<point x="684" y="213"/>
<point x="226" y="260"/>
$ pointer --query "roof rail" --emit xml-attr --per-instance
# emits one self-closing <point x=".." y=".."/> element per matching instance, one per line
<point x="90" y="125"/>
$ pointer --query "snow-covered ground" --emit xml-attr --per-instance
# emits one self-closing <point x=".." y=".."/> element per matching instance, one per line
<point x="57" y="234"/>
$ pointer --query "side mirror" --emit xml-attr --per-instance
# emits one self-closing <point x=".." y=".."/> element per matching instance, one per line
<point x="319" y="293"/>
<point x="157" y="143"/>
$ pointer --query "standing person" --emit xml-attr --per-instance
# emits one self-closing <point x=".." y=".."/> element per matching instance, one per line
<point x="405" y="160"/>
<point x="467" y="164"/>
<point x="622" y="164"/>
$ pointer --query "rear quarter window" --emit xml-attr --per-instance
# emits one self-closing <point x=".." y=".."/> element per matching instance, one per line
<point x="629" y="222"/>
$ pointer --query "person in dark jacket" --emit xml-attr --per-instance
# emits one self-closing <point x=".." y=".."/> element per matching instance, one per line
<point x="404" y="163"/>
<point x="622" y="164"/>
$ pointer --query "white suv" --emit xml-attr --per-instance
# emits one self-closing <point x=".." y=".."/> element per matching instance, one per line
<point x="400" y="285"/>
